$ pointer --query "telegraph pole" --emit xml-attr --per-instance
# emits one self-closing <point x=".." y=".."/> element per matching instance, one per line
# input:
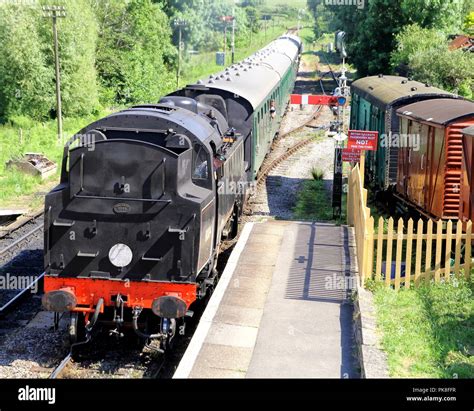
<point x="180" y="23"/>
<point x="55" y="12"/>
<point x="233" y="36"/>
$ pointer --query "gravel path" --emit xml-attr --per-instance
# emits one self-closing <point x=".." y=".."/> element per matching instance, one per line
<point x="277" y="197"/>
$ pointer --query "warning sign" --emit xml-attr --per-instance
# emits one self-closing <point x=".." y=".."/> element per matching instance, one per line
<point x="362" y="140"/>
<point x="350" y="155"/>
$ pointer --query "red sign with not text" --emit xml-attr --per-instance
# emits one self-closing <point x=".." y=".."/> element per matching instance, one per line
<point x="362" y="140"/>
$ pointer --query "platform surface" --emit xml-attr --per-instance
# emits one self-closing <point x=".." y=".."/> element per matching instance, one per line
<point x="281" y="309"/>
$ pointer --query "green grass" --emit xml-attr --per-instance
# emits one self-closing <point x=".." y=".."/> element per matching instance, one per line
<point x="313" y="202"/>
<point x="428" y="331"/>
<point x="25" y="191"/>
<point x="317" y="173"/>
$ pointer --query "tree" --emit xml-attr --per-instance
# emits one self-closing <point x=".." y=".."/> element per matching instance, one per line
<point x="77" y="38"/>
<point x="371" y="32"/>
<point x="426" y="54"/>
<point x="26" y="85"/>
<point x="253" y="18"/>
<point x="133" y="50"/>
<point x="415" y="39"/>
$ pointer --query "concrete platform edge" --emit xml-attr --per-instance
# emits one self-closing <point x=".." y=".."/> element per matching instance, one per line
<point x="372" y="360"/>
<point x="189" y="358"/>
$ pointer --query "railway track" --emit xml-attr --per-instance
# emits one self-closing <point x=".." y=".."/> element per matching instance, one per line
<point x="301" y="144"/>
<point x="9" y="229"/>
<point x="116" y="366"/>
<point x="290" y="151"/>
<point x="18" y="244"/>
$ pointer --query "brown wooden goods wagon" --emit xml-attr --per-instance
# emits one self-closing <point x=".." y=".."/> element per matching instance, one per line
<point x="430" y="166"/>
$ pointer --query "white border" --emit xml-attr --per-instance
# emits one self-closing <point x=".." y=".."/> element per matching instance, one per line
<point x="189" y="358"/>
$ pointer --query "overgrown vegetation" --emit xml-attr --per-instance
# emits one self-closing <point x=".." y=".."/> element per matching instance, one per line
<point x="408" y="36"/>
<point x="23" y="135"/>
<point x="428" y="331"/>
<point x="452" y="70"/>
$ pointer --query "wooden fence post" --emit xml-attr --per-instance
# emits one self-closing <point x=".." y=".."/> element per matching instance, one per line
<point x="419" y="243"/>
<point x="439" y="247"/>
<point x="398" y="258"/>
<point x="457" y="252"/>
<point x="447" y="255"/>
<point x="429" y="245"/>
<point x="468" y="250"/>
<point x="388" y="260"/>
<point x="408" y="255"/>
<point x="378" y="267"/>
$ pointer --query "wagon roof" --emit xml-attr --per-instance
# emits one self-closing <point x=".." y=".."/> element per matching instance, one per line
<point x="468" y="131"/>
<point x="388" y="90"/>
<point x="438" y="111"/>
<point x="256" y="76"/>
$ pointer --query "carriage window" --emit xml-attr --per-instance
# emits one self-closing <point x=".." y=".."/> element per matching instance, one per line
<point x="200" y="168"/>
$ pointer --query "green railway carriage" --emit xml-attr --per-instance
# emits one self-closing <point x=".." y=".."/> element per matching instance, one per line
<point x="374" y="103"/>
<point x="253" y="95"/>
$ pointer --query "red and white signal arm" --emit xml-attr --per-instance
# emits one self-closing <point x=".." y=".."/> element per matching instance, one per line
<point x="317" y="100"/>
<point x="362" y="140"/>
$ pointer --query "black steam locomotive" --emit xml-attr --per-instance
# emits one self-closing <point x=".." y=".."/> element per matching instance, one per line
<point x="132" y="232"/>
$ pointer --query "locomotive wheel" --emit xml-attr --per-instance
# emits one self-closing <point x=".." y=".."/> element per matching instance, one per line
<point x="76" y="328"/>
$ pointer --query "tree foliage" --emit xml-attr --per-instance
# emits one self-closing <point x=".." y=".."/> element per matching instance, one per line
<point x="372" y="30"/>
<point x="133" y="50"/>
<point x="426" y="54"/>
<point x="25" y="78"/>
<point x="204" y="27"/>
<point x="77" y="38"/>
<point x="111" y="51"/>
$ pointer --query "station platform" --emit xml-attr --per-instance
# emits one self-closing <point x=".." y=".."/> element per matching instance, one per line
<point x="282" y="307"/>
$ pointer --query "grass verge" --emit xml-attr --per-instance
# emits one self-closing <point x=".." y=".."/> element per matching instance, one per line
<point x="22" y="135"/>
<point x="428" y="331"/>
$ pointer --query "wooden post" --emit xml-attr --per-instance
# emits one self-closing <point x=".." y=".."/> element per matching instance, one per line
<point x="388" y="260"/>
<point x="419" y="244"/>
<point x="378" y="266"/>
<point x="429" y="246"/>
<point x="370" y="248"/>
<point x="457" y="253"/>
<point x="398" y="258"/>
<point x="362" y="166"/>
<point x="468" y="254"/>
<point x="439" y="247"/>
<point x="447" y="256"/>
<point x="408" y="254"/>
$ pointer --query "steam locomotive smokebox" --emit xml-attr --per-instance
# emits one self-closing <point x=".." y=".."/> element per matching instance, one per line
<point x="34" y="164"/>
